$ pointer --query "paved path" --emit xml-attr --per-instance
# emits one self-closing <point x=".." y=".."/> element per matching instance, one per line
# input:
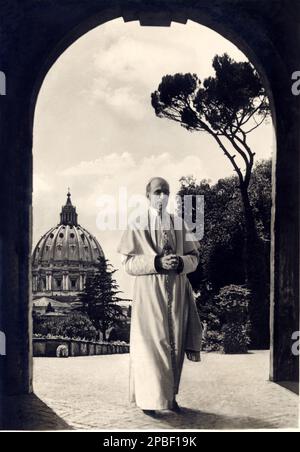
<point x="221" y="392"/>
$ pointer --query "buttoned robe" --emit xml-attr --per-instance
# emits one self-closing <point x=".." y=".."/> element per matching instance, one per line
<point x="165" y="324"/>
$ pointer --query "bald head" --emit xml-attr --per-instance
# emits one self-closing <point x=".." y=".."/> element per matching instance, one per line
<point x="157" y="183"/>
<point x="158" y="192"/>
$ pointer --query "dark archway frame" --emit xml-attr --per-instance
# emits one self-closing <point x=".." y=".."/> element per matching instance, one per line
<point x="33" y="35"/>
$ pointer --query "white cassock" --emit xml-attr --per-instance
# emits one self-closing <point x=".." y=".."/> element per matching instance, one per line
<point x="165" y="323"/>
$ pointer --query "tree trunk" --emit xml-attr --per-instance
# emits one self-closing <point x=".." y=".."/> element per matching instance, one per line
<point x="256" y="271"/>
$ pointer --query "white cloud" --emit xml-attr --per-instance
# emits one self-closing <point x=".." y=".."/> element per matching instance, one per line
<point x="114" y="171"/>
<point x="106" y="165"/>
<point x="41" y="184"/>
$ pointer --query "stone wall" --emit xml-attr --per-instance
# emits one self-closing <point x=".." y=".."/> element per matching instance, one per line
<point x="44" y="347"/>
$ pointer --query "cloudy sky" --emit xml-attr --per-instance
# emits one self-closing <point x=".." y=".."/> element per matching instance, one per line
<point x="96" y="132"/>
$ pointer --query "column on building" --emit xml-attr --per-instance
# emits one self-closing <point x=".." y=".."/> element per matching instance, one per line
<point x="65" y="281"/>
<point x="81" y="282"/>
<point x="34" y="283"/>
<point x="48" y="282"/>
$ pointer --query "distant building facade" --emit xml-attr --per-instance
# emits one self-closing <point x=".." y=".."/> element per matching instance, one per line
<point x="63" y="258"/>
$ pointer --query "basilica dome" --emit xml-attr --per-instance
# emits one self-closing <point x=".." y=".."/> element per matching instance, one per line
<point x="64" y="256"/>
<point x="67" y="243"/>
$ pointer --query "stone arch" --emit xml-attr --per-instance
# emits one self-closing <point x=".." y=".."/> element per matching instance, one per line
<point x="60" y="23"/>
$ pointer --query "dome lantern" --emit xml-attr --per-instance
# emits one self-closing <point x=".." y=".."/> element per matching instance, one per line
<point x="68" y="216"/>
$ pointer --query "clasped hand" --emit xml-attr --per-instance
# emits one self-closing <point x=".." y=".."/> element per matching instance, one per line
<point x="169" y="262"/>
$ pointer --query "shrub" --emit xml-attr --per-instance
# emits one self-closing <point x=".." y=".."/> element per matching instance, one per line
<point x="43" y="327"/>
<point x="213" y="341"/>
<point x="226" y="318"/>
<point x="120" y="333"/>
<point x="236" y="338"/>
<point x="233" y="302"/>
<point x="76" y="325"/>
<point x="210" y="317"/>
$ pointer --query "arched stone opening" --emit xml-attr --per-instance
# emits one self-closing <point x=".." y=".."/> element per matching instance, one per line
<point x="44" y="33"/>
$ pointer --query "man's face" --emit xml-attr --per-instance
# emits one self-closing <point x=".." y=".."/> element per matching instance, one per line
<point x="159" y="194"/>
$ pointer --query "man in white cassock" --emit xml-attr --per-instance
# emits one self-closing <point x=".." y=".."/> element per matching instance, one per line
<point x="160" y="251"/>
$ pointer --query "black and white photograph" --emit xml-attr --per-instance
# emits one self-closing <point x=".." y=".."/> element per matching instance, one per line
<point x="149" y="218"/>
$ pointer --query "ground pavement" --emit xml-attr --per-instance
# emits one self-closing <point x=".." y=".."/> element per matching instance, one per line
<point x="221" y="392"/>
